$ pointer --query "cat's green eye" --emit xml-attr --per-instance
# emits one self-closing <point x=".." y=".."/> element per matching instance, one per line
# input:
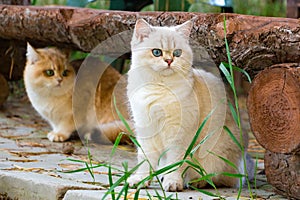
<point x="156" y="52"/>
<point x="177" y="52"/>
<point x="65" y="73"/>
<point x="49" y="72"/>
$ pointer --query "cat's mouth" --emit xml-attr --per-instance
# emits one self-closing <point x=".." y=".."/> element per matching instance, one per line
<point x="166" y="71"/>
<point x="58" y="85"/>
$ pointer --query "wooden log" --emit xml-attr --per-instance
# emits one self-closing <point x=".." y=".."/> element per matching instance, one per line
<point x="274" y="108"/>
<point x="255" y="42"/>
<point x="283" y="172"/>
<point x="4" y="89"/>
<point x="12" y="52"/>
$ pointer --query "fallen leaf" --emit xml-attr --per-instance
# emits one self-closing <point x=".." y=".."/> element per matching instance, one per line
<point x="29" y="144"/>
<point x="22" y="160"/>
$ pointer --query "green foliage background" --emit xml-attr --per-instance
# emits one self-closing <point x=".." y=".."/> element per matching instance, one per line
<point x="272" y="8"/>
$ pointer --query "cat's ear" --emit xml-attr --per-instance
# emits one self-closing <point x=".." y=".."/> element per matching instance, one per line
<point x="185" y="28"/>
<point x="142" y="29"/>
<point x="32" y="55"/>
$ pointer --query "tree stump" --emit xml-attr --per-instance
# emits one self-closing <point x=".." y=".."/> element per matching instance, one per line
<point x="4" y="89"/>
<point x="274" y="112"/>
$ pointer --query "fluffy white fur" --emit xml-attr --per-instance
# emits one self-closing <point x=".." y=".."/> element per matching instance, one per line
<point x="169" y="102"/>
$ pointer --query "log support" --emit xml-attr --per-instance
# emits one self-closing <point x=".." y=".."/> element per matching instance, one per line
<point x="274" y="111"/>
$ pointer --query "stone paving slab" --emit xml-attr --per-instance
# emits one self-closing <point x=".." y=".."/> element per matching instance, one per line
<point x="32" y="167"/>
<point x="29" y="185"/>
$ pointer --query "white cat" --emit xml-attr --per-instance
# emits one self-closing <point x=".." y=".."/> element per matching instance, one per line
<point x="169" y="100"/>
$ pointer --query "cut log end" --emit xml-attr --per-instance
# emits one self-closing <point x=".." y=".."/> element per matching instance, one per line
<point x="283" y="172"/>
<point x="274" y="108"/>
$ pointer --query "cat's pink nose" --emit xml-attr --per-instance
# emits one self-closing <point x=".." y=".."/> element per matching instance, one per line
<point x="59" y="80"/>
<point x="169" y="61"/>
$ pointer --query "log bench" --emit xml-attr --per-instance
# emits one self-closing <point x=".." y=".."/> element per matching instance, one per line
<point x="267" y="48"/>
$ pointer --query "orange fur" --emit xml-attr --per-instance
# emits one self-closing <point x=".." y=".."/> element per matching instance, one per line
<point x="51" y="95"/>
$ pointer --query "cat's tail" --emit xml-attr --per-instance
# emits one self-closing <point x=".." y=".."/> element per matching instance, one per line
<point x="111" y="131"/>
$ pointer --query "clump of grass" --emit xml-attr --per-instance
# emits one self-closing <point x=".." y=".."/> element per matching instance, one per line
<point x="228" y="70"/>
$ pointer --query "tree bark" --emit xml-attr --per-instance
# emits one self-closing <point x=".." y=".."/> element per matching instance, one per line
<point x="255" y="42"/>
<point x="274" y="108"/>
<point x="283" y="172"/>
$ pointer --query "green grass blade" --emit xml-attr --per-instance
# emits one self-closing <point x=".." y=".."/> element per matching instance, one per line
<point x="195" y="138"/>
<point x="120" y="180"/>
<point x="204" y="192"/>
<point x="234" y="114"/>
<point x="162" y="155"/>
<point x="233" y="137"/>
<point x="157" y="195"/>
<point x="225" y="160"/>
<point x="233" y="175"/>
<point x="201" y="142"/>
<point x="227" y="75"/>
<point x="122" y="117"/>
<point x="84" y="168"/>
<point x="194" y="165"/>
<point x="112" y="192"/>
<point x="123" y="190"/>
<point x="90" y="171"/>
<point x="204" y="178"/>
<point x="168" y="168"/>
<point x="239" y="70"/>
<point x="135" y="142"/>
<point x="137" y="194"/>
<point x="116" y="144"/>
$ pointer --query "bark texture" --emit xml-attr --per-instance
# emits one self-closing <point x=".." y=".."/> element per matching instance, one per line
<point x="283" y="172"/>
<point x="255" y="42"/>
<point x="274" y="108"/>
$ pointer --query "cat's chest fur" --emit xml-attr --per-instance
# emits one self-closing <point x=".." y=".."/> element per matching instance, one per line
<point x="49" y="105"/>
<point x="162" y="104"/>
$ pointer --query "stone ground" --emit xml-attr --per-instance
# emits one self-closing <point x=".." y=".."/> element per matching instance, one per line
<point x="31" y="167"/>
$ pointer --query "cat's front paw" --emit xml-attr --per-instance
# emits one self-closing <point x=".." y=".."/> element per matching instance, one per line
<point x="199" y="184"/>
<point x="57" y="137"/>
<point x="172" y="183"/>
<point x="135" y="180"/>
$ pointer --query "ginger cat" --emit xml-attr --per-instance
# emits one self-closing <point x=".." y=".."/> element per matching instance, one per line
<point x="49" y="81"/>
<point x="169" y="99"/>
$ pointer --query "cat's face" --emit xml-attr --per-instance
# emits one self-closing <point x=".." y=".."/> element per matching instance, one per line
<point x="49" y="69"/>
<point x="164" y="49"/>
